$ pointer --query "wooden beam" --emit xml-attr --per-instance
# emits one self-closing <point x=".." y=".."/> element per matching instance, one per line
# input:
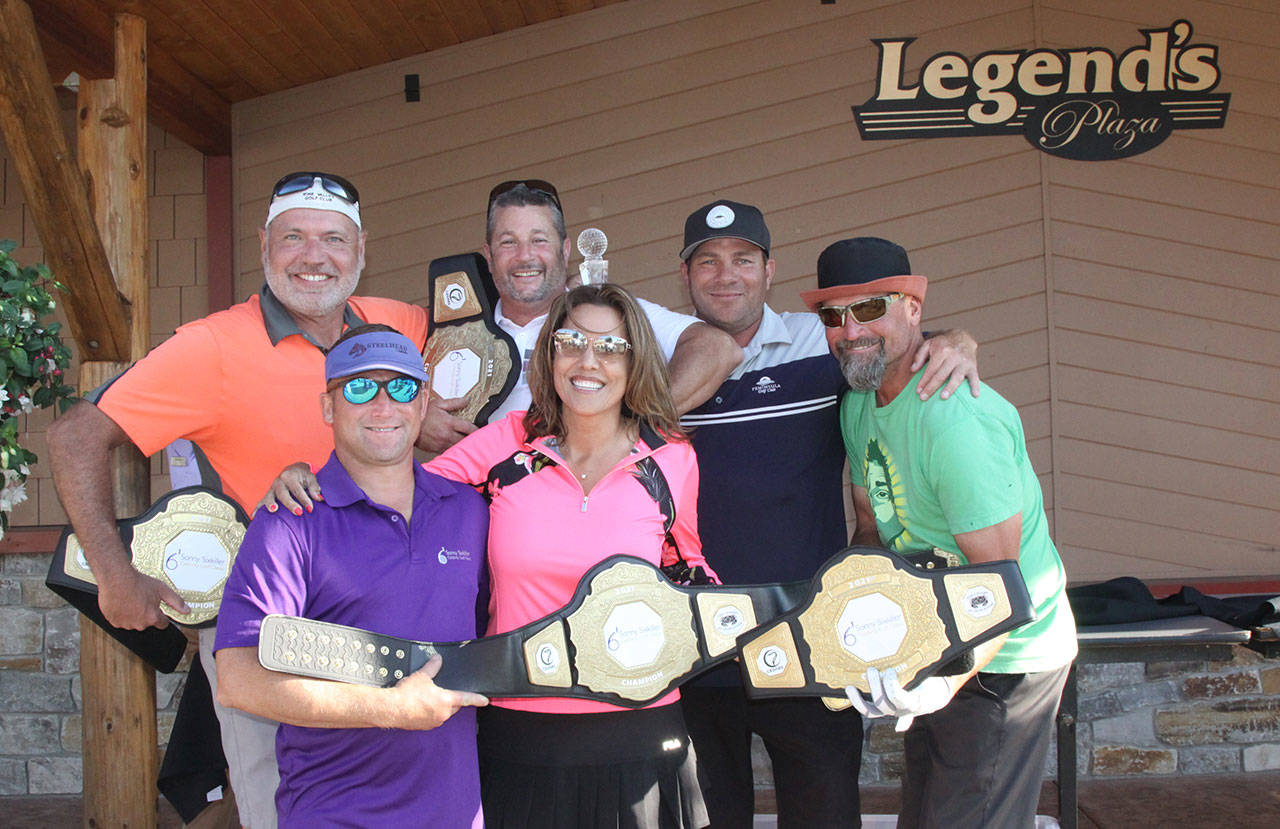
<point x="55" y="192"/>
<point x="177" y="100"/>
<point x="121" y="763"/>
<point x="111" y="129"/>
<point x="39" y="540"/>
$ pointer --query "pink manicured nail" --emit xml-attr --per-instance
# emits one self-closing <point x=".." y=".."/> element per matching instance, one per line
<point x="297" y="511"/>
<point x="271" y="507"/>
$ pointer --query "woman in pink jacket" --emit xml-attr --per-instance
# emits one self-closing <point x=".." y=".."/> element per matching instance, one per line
<point x="597" y="466"/>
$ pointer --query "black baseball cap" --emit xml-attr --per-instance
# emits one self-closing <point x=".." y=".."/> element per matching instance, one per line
<point x="725" y="219"/>
<point x="863" y="266"/>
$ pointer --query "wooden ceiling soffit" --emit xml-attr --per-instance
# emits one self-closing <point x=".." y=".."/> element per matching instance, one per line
<point x="177" y="101"/>
<point x="55" y="191"/>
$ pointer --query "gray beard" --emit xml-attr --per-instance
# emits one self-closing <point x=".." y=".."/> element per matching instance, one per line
<point x="863" y="373"/>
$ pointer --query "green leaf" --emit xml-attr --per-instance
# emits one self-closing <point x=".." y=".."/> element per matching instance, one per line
<point x="20" y="361"/>
<point x="30" y="349"/>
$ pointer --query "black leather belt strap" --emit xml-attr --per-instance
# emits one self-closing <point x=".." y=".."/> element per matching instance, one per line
<point x="188" y="539"/>
<point x="869" y="607"/>
<point x="627" y="637"/>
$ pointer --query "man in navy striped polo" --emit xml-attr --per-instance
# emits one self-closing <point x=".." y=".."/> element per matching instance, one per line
<point x="771" y="509"/>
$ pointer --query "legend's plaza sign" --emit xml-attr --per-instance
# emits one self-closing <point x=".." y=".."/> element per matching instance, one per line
<point x="1083" y="103"/>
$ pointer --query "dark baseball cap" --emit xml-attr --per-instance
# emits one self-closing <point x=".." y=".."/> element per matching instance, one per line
<point x="725" y="219"/>
<point x="863" y="266"/>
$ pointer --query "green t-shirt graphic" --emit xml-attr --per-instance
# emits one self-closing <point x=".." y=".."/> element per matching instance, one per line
<point x="935" y="468"/>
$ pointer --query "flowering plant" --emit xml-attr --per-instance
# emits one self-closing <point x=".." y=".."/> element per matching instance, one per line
<point x="33" y="360"/>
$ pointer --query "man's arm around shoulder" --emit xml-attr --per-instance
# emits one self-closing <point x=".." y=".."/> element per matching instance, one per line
<point x="952" y="358"/>
<point x="80" y="445"/>
<point x="415" y="703"/>
<point x="703" y="358"/>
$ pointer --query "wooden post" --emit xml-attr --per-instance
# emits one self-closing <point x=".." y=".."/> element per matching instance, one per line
<point x="118" y="689"/>
<point x="120" y="740"/>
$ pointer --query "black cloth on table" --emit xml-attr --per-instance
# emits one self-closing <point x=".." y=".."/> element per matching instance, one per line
<point x="1127" y="599"/>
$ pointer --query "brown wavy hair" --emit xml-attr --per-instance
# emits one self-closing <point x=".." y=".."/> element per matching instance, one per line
<point x="647" y="399"/>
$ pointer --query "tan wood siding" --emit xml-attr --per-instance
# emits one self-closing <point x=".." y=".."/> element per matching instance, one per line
<point x="1165" y="301"/>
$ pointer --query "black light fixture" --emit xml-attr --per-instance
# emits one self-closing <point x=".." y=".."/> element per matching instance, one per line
<point x="412" y="92"/>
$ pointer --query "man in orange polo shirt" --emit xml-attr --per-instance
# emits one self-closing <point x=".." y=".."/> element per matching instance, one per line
<point x="242" y="385"/>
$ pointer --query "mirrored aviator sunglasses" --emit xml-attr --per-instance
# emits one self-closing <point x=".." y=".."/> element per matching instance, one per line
<point x="537" y="185"/>
<point x="571" y="342"/>
<point x="360" y="390"/>
<point x="297" y="182"/>
<point x="863" y="311"/>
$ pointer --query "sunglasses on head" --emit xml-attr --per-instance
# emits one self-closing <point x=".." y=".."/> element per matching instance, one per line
<point x="297" y="182"/>
<point x="571" y="342"/>
<point x="360" y="390"/>
<point x="537" y="185"/>
<point x="863" y="311"/>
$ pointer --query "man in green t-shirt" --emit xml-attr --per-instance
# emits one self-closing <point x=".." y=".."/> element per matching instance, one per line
<point x="951" y="475"/>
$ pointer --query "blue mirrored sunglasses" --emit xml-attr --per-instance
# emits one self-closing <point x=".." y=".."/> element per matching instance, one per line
<point x="360" y="390"/>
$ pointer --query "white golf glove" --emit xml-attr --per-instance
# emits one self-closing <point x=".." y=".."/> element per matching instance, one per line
<point x="888" y="699"/>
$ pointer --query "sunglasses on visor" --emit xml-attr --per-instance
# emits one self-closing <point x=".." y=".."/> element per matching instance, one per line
<point x="574" y="343"/>
<point x="297" y="182"/>
<point x="863" y="311"/>
<point x="360" y="390"/>
<point x="537" y="185"/>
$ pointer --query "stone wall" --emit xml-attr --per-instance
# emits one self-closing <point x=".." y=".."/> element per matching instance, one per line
<point x="1180" y="717"/>
<point x="40" y="684"/>
<point x="1142" y="719"/>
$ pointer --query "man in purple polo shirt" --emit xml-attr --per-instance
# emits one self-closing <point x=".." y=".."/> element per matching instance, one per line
<point x="392" y="548"/>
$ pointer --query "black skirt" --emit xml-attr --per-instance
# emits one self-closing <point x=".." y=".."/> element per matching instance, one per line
<point x="625" y="769"/>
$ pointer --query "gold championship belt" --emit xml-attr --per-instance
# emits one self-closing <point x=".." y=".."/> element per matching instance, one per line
<point x="627" y="637"/>
<point x="467" y="354"/>
<point x="869" y="607"/>
<point x="188" y="539"/>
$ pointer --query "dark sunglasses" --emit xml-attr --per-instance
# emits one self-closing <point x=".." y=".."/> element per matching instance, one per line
<point x="360" y="390"/>
<point x="864" y="310"/>
<point x="537" y="185"/>
<point x="574" y="343"/>
<point x="297" y="182"/>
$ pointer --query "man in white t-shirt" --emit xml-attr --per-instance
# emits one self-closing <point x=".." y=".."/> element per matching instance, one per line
<point x="527" y="249"/>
